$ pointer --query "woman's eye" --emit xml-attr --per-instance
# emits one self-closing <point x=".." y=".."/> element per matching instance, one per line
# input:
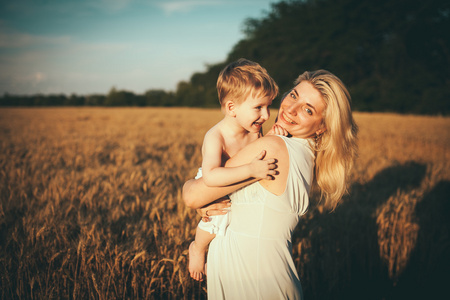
<point x="293" y="96"/>
<point x="258" y="107"/>
<point x="308" y="111"/>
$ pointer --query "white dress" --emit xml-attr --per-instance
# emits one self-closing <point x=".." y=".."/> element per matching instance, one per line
<point x="254" y="258"/>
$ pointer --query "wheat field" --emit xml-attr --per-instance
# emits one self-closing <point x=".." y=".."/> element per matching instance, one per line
<point x="91" y="207"/>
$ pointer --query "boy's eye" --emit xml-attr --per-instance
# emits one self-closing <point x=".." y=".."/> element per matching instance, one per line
<point x="258" y="107"/>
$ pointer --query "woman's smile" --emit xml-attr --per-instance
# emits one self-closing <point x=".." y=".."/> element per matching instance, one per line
<point x="286" y="118"/>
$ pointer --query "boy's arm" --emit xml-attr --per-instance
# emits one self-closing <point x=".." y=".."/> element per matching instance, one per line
<point x="214" y="175"/>
<point x="196" y="193"/>
<point x="212" y="151"/>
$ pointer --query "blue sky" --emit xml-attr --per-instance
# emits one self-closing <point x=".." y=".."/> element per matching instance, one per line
<point x="90" y="46"/>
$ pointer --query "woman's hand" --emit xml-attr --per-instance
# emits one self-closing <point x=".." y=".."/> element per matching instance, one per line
<point x="277" y="130"/>
<point x="218" y="207"/>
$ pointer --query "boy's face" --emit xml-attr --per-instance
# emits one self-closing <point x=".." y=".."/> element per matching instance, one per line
<point x="253" y="112"/>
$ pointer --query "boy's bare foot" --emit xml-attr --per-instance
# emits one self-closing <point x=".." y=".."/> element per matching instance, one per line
<point x="196" y="262"/>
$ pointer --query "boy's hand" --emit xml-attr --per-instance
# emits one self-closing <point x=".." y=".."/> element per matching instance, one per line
<point x="263" y="169"/>
<point x="278" y="130"/>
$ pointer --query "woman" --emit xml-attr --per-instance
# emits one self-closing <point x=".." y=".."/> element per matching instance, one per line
<point x="253" y="260"/>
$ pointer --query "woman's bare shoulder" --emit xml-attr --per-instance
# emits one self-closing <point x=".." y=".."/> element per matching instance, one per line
<point x="271" y="143"/>
<point x="274" y="146"/>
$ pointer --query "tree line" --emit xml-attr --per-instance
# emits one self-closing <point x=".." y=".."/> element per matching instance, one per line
<point x="113" y="98"/>
<point x="394" y="56"/>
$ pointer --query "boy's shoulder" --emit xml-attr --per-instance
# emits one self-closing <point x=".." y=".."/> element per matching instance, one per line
<point x="214" y="135"/>
<point x="214" y="131"/>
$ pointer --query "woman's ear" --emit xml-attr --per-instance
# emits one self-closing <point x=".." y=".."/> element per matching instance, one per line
<point x="230" y="108"/>
<point x="321" y="130"/>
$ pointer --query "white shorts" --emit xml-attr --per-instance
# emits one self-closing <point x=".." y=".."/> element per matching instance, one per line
<point x="217" y="224"/>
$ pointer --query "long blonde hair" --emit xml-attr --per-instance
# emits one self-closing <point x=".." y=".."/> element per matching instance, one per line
<point x="337" y="147"/>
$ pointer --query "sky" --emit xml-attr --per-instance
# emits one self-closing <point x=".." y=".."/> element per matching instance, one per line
<point x="90" y="46"/>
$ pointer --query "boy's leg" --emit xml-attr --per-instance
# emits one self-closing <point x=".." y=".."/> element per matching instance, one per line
<point x="197" y="253"/>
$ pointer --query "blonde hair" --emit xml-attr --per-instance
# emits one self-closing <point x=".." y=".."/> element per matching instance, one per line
<point x="242" y="78"/>
<point x="338" y="148"/>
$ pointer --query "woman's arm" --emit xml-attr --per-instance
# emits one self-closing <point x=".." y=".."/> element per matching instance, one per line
<point x="196" y="194"/>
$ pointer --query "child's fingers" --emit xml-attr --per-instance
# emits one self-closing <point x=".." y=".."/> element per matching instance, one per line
<point x="271" y="163"/>
<point x="261" y="155"/>
<point x="283" y="131"/>
<point x="269" y="177"/>
<point x="279" y="130"/>
<point x="275" y="129"/>
<point x="271" y="174"/>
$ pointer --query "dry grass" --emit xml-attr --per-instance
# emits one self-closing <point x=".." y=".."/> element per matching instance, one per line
<point x="90" y="207"/>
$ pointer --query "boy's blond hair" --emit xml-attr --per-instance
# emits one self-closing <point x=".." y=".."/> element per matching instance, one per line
<point x="243" y="78"/>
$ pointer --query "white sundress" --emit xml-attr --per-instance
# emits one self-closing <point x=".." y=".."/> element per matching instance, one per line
<point x="253" y="260"/>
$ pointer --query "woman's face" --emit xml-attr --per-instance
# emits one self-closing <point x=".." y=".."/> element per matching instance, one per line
<point x="301" y="111"/>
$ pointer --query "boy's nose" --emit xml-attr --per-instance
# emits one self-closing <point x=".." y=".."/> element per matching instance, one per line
<point x="265" y="114"/>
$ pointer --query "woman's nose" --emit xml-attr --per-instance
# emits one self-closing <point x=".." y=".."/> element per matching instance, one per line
<point x="292" y="108"/>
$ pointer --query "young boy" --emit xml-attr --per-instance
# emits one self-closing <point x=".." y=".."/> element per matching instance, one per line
<point x="245" y="92"/>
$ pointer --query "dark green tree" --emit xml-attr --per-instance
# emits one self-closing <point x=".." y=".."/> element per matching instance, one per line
<point x="120" y="98"/>
<point x="159" y="98"/>
<point x="392" y="54"/>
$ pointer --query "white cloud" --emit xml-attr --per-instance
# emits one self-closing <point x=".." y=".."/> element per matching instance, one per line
<point x="44" y="64"/>
<point x="136" y="53"/>
<point x="10" y="38"/>
<point x="185" y="6"/>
